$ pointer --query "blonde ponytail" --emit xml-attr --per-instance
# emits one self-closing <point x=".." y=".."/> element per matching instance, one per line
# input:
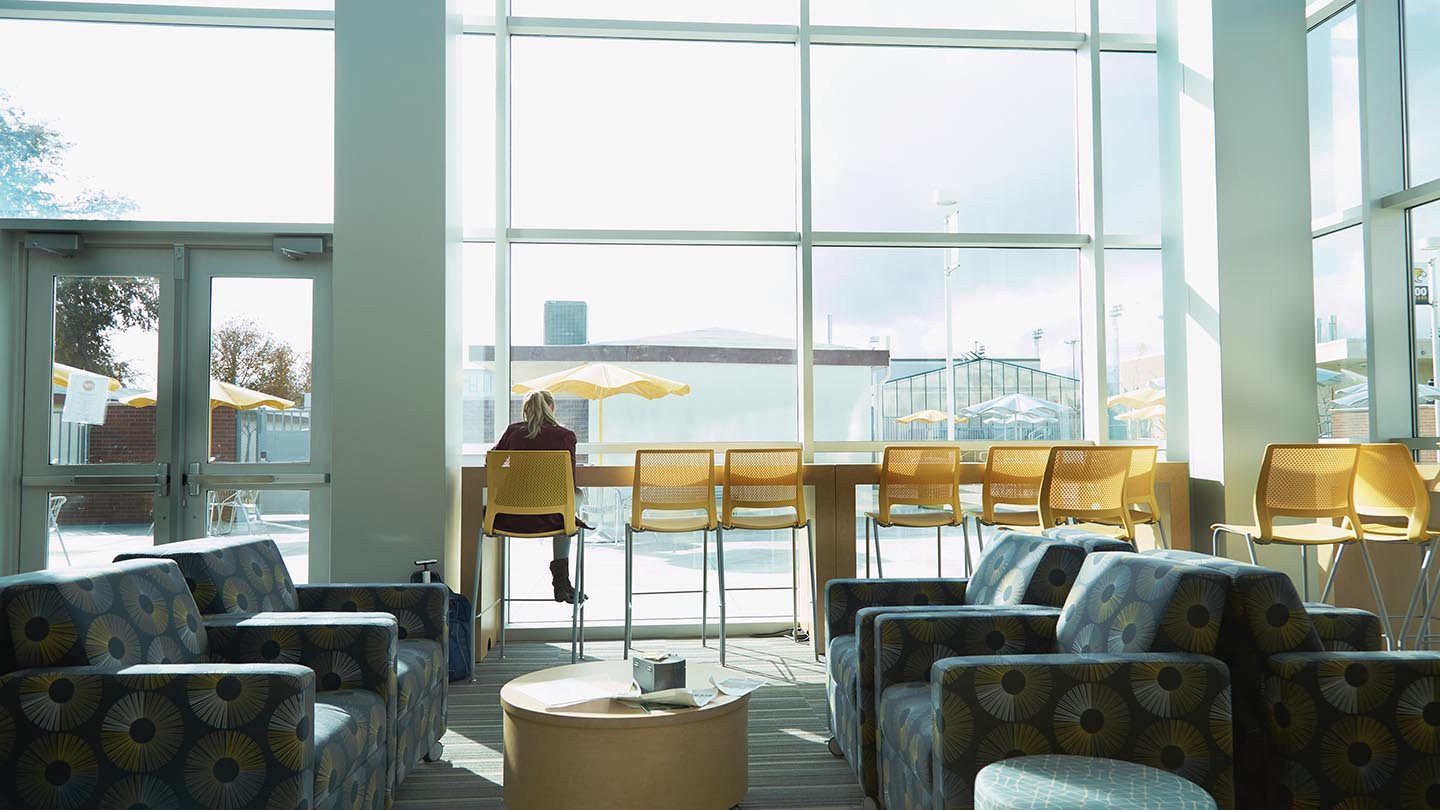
<point x="538" y="411"/>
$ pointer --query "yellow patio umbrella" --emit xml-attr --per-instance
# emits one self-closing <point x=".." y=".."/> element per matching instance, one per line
<point x="1139" y="398"/>
<point x="60" y="375"/>
<point x="222" y="393"/>
<point x="929" y="416"/>
<point x="600" y="381"/>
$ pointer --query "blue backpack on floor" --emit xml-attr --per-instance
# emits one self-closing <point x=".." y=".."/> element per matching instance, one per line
<point x="460" y="643"/>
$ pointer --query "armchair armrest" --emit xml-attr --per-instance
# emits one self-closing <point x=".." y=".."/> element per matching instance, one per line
<point x="1353" y="724"/>
<point x="899" y="645"/>
<point x="346" y="650"/>
<point x="1166" y="710"/>
<point x="1346" y="629"/>
<point x="421" y="609"/>
<point x="845" y="597"/>
<point x="83" y="736"/>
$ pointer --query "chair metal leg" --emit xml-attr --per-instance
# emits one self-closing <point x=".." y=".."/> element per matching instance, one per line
<point x="1422" y="635"/>
<point x="1305" y="572"/>
<point x="705" y="588"/>
<point x="629" y="553"/>
<point x="504" y="589"/>
<point x="794" y="584"/>
<point x="1420" y="592"/>
<point x="1250" y="541"/>
<point x="58" y="534"/>
<point x="478" y="606"/>
<point x="814" y="588"/>
<point x="979" y="538"/>
<point x="867" y="547"/>
<point x="1334" y="566"/>
<point x="939" y="562"/>
<point x="965" y="535"/>
<point x="575" y="608"/>
<point x="1160" y="533"/>
<point x="1379" y="597"/>
<point x="720" y="574"/>
<point x="879" y="558"/>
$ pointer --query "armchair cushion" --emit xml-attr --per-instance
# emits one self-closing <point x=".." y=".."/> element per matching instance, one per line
<point x="111" y="616"/>
<point x="1354" y="729"/>
<point x="1142" y="603"/>
<point x="1025" y="569"/>
<point x="845" y="597"/>
<point x="909" y="745"/>
<point x="194" y="735"/>
<point x="230" y="576"/>
<point x="421" y="609"/>
<point x="1088" y="539"/>
<point x="351" y="731"/>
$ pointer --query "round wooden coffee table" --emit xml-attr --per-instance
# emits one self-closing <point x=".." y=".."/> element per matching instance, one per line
<point x="603" y="754"/>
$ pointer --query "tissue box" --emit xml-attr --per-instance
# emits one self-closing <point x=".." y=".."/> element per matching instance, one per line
<point x="658" y="674"/>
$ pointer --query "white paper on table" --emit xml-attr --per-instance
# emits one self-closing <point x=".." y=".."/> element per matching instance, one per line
<point x="736" y="686"/>
<point x="683" y="698"/>
<point x="567" y="691"/>
<point x="85" y="398"/>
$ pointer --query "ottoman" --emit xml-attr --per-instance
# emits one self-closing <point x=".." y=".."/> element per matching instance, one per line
<point x="1083" y="783"/>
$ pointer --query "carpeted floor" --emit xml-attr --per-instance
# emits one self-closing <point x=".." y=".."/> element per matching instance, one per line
<point x="789" y="765"/>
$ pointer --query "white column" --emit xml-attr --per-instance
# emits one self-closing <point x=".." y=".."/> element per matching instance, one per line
<point x="1095" y="389"/>
<point x="12" y="342"/>
<point x="396" y="462"/>
<point x="1234" y="112"/>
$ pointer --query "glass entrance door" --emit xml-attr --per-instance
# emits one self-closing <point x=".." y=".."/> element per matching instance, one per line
<point x="171" y="393"/>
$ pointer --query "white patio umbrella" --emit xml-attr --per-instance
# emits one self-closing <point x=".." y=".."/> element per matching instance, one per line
<point x="1358" y="396"/>
<point x="1012" y="404"/>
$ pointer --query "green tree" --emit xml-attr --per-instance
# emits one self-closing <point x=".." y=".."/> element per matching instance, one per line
<point x="244" y="354"/>
<point x="88" y="311"/>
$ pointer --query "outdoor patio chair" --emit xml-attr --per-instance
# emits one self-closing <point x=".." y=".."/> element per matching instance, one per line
<point x="529" y="482"/>
<point x="772" y="480"/>
<point x="673" y="493"/>
<point x="57" y="502"/>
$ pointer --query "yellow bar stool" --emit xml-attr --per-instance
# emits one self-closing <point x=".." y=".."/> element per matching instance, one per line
<point x="1394" y="507"/>
<point x="529" y="482"/>
<point x="919" y="475"/>
<point x="1010" y="490"/>
<point x="1087" y="485"/>
<point x="769" y="479"/>
<point x="1308" y="481"/>
<point x="681" y="483"/>
<point x="1140" y="491"/>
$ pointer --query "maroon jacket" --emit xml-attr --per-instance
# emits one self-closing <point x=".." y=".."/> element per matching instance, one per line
<point x="551" y="437"/>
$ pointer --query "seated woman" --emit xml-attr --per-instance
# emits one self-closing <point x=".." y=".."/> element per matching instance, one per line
<point x="539" y="430"/>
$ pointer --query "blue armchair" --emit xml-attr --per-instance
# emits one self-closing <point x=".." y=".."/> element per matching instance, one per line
<point x="245" y="575"/>
<point x="1124" y="674"/>
<point x="108" y="699"/>
<point x="1015" y="569"/>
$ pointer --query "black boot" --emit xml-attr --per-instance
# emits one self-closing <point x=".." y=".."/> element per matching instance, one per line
<point x="560" y="580"/>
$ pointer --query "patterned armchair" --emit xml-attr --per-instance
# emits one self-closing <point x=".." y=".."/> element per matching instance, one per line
<point x="107" y="700"/>
<point x="1015" y="569"/>
<point x="245" y="575"/>
<point x="1124" y="673"/>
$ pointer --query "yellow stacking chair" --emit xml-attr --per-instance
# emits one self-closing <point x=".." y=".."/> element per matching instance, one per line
<point x="529" y="482"/>
<point x="1087" y="485"/>
<point x="919" y="475"/>
<point x="1394" y="507"/>
<point x="681" y="483"/>
<point x="771" y="479"/>
<point x="1308" y="481"/>
<point x="1010" y="491"/>
<point x="1140" y="491"/>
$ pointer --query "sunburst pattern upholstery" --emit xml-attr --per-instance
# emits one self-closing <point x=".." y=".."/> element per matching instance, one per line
<point x="243" y="575"/>
<point x="109" y="698"/>
<point x="1015" y="569"/>
<point x="1124" y="672"/>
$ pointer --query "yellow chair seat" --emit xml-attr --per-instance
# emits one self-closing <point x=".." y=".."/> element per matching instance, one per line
<point x="1143" y="516"/>
<point x="764" y="522"/>
<point x="1008" y="515"/>
<point x="917" y="520"/>
<point x="1304" y="534"/>
<point x="675" y="523"/>
<point x="1391" y="532"/>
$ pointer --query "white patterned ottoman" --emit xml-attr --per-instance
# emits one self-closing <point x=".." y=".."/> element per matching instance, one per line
<point x="1083" y="783"/>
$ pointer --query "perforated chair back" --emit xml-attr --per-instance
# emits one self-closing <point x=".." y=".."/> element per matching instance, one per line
<point x="529" y="482"/>
<point x="1087" y="484"/>
<point x="920" y="475"/>
<point x="1140" y="486"/>
<point x="763" y="478"/>
<point x="1013" y="474"/>
<point x="1387" y="485"/>
<point x="1306" y="481"/>
<point x="673" y="480"/>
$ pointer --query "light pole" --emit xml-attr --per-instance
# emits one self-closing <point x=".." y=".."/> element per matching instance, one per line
<point x="1115" y="312"/>
<point x="1074" y="344"/>
<point x="1432" y="246"/>
<point x="1035" y="336"/>
<point x="951" y="259"/>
